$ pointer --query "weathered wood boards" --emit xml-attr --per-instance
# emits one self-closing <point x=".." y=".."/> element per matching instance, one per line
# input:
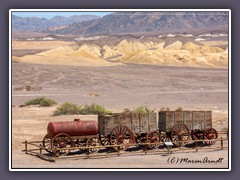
<point x="137" y="123"/>
<point x="192" y="119"/>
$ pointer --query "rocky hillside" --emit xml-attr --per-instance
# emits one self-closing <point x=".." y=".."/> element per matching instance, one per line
<point x="57" y="22"/>
<point x="142" y="22"/>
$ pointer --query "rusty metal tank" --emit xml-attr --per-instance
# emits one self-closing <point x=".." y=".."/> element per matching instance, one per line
<point x="73" y="128"/>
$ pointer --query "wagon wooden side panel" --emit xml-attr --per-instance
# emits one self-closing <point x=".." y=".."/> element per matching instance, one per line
<point x="107" y="123"/>
<point x="166" y="120"/>
<point x="137" y="123"/>
<point x="208" y="121"/>
<point x="192" y="119"/>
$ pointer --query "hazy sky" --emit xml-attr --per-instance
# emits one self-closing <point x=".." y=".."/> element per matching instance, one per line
<point x="49" y="15"/>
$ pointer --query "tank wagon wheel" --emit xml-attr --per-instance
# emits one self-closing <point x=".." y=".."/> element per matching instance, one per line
<point x="47" y="143"/>
<point x="179" y="134"/>
<point x="92" y="142"/>
<point x="121" y="135"/>
<point x="197" y="134"/>
<point x="210" y="136"/>
<point x="153" y="137"/>
<point x="62" y="140"/>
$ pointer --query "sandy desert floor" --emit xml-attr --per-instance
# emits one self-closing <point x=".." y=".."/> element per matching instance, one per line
<point x="157" y="161"/>
<point x="22" y="48"/>
<point x="29" y="123"/>
<point x="124" y="86"/>
<point x="116" y="88"/>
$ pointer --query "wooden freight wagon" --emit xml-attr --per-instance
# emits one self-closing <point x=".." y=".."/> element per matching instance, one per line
<point x="180" y="125"/>
<point x="128" y="128"/>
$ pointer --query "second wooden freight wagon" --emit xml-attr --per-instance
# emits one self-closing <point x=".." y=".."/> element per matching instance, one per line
<point x="180" y="125"/>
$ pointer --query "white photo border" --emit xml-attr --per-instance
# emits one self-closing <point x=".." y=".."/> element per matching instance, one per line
<point x="118" y="10"/>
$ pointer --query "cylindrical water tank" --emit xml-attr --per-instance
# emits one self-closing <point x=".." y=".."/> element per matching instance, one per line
<point x="73" y="128"/>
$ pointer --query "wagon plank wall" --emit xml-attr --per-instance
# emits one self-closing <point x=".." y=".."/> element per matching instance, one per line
<point x="193" y="119"/>
<point x="153" y="123"/>
<point x="137" y="123"/>
<point x="208" y="123"/>
<point x="188" y="118"/>
<point x="198" y="120"/>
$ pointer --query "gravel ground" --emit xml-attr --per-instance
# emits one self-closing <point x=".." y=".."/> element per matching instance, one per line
<point x="124" y="86"/>
<point x="204" y="158"/>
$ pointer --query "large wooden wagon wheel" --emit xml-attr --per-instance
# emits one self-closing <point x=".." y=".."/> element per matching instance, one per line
<point x="210" y="136"/>
<point x="61" y="140"/>
<point x="47" y="143"/>
<point x="153" y="137"/>
<point x="91" y="143"/>
<point x="179" y="135"/>
<point x="121" y="135"/>
<point x="165" y="137"/>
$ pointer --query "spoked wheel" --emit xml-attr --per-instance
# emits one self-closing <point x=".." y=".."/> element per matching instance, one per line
<point x="47" y="143"/>
<point x="105" y="140"/>
<point x="61" y="140"/>
<point x="91" y="143"/>
<point x="197" y="134"/>
<point x="180" y="135"/>
<point x="210" y="136"/>
<point x="153" y="137"/>
<point x="121" y="135"/>
<point x="165" y="137"/>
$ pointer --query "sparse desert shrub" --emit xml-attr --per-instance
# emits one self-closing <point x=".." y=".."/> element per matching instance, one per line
<point x="126" y="110"/>
<point x="71" y="109"/>
<point x="142" y="110"/>
<point x="67" y="109"/>
<point x="94" y="109"/>
<point x="164" y="109"/>
<point x="40" y="101"/>
<point x="149" y="110"/>
<point x="179" y="109"/>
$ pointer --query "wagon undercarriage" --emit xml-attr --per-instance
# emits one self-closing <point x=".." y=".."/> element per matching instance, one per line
<point x="112" y="150"/>
<point x="122" y="138"/>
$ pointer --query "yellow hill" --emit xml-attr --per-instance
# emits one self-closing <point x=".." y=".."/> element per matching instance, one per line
<point x="129" y="47"/>
<point x="133" y="51"/>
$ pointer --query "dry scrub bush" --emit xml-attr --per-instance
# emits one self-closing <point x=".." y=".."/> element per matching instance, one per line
<point x="41" y="102"/>
<point x="71" y="109"/>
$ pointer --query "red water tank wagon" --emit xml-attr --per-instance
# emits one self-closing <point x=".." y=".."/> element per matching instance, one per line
<point x="73" y="128"/>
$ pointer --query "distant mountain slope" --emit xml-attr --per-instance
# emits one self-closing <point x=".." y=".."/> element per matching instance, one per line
<point x="34" y="23"/>
<point x="141" y="22"/>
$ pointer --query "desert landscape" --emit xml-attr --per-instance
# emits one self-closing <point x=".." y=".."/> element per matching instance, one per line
<point x="118" y="71"/>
